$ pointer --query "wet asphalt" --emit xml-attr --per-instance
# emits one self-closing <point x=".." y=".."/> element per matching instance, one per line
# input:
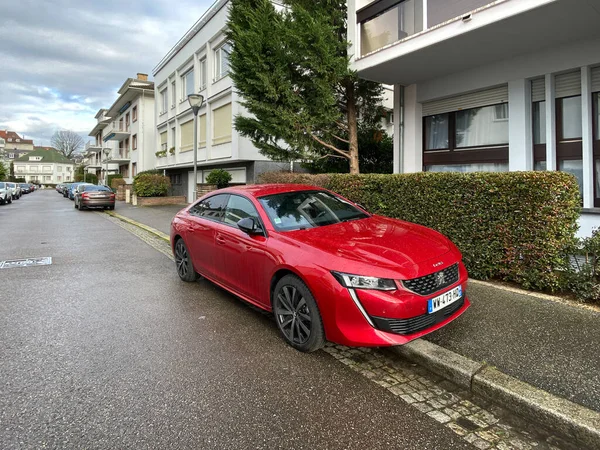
<point x="106" y="348"/>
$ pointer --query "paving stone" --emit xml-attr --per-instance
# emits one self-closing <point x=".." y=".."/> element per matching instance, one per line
<point x="457" y="429"/>
<point x="423" y="407"/>
<point x="408" y="399"/>
<point x="439" y="416"/>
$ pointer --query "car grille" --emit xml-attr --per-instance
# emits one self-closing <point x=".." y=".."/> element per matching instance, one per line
<point x="434" y="282"/>
<point x="419" y="323"/>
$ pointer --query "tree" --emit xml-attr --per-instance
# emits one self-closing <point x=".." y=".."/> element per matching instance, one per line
<point x="3" y="171"/>
<point x="291" y="69"/>
<point x="67" y="142"/>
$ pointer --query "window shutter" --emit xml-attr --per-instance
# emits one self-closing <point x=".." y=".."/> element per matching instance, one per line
<point x="222" y="126"/>
<point x="568" y="84"/>
<point x="187" y="136"/>
<point x="202" y="131"/>
<point x="538" y="90"/>
<point x="163" y="138"/>
<point x="596" y="79"/>
<point x="467" y="101"/>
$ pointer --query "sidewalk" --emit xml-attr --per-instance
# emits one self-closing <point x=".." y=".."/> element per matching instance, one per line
<point x="550" y="345"/>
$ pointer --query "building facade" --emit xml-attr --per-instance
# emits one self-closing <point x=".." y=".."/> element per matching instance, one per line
<point x="488" y="86"/>
<point x="12" y="147"/>
<point x="124" y="133"/>
<point x="44" y="167"/>
<point x="199" y="63"/>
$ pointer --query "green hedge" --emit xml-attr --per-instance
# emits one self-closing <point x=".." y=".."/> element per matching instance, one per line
<point x="149" y="185"/>
<point x="513" y="226"/>
<point x="220" y="177"/>
<point x="112" y="177"/>
<point x="89" y="178"/>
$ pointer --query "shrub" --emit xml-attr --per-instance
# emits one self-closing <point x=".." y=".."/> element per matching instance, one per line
<point x="219" y="177"/>
<point x="149" y="185"/>
<point x="89" y="178"/>
<point x="513" y="226"/>
<point x="111" y="177"/>
<point x="581" y="274"/>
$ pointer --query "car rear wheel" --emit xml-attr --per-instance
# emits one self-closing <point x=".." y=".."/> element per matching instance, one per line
<point x="185" y="269"/>
<point x="297" y="315"/>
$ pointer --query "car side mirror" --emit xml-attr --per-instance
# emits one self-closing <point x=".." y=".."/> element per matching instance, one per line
<point x="250" y="226"/>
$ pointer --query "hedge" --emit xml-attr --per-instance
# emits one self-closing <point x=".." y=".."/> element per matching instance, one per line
<point x="111" y="177"/>
<point x="149" y="185"/>
<point x="89" y="178"/>
<point x="219" y="177"/>
<point x="514" y="226"/>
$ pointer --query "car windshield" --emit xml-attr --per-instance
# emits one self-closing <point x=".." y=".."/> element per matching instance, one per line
<point x="95" y="188"/>
<point x="308" y="209"/>
<point x="2" y="185"/>
<point x="24" y="185"/>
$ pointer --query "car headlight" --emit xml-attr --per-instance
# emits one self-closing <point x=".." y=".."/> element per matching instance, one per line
<point x="363" y="282"/>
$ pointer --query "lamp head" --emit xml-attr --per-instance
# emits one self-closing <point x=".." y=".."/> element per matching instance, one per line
<point x="196" y="101"/>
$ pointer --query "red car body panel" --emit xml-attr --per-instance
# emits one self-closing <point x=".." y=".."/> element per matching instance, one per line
<point x="375" y="246"/>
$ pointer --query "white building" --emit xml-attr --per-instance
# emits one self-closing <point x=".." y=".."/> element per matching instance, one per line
<point x="44" y="167"/>
<point x="124" y="133"/>
<point x="199" y="63"/>
<point x="488" y="85"/>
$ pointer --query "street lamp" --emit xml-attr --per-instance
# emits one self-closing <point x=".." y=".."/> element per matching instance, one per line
<point x="106" y="152"/>
<point x="196" y="101"/>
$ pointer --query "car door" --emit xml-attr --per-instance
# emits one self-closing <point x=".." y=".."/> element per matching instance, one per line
<point x="242" y="260"/>
<point x="200" y="232"/>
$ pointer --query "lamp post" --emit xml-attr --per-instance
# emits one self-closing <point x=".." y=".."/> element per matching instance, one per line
<point x="196" y="101"/>
<point x="106" y="152"/>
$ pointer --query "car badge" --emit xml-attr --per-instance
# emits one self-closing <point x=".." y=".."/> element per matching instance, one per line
<point x="438" y="264"/>
<point x="440" y="278"/>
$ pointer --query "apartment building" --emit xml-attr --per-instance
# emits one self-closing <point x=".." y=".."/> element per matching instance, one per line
<point x="124" y="133"/>
<point x="13" y="146"/>
<point x="44" y="166"/>
<point x="199" y="63"/>
<point x="484" y="85"/>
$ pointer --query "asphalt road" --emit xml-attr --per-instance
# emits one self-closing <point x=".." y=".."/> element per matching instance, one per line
<point x="106" y="348"/>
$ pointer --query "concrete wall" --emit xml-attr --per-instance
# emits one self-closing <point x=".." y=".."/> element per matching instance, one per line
<point x="439" y="11"/>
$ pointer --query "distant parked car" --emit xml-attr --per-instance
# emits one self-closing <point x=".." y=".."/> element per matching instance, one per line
<point x="5" y="193"/>
<point x="73" y="186"/>
<point x="92" y="196"/>
<point x="65" y="189"/>
<point x="15" y="190"/>
<point x="25" y="188"/>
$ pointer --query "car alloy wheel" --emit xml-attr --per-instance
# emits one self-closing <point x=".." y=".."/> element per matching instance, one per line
<point x="297" y="315"/>
<point x="185" y="269"/>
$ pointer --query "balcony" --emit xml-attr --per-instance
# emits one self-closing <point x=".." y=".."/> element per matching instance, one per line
<point x="118" y="156"/>
<point x="407" y="42"/>
<point x="117" y="130"/>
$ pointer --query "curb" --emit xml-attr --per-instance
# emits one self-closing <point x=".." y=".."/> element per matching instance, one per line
<point x="573" y="421"/>
<point x="154" y="231"/>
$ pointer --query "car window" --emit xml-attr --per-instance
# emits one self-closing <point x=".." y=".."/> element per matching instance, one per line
<point x="212" y="208"/>
<point x="239" y="208"/>
<point x="2" y="186"/>
<point x="308" y="209"/>
<point x="94" y="188"/>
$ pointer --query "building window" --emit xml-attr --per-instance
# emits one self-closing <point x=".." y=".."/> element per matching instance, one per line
<point x="570" y="125"/>
<point x="20" y="169"/>
<point x="163" y="141"/>
<point x="222" y="126"/>
<point x="173" y="137"/>
<point x="596" y="126"/>
<point x="381" y="25"/>
<point x="202" y="131"/>
<point x="134" y="141"/>
<point x="186" y="134"/>
<point x="47" y="178"/>
<point x="203" y="74"/>
<point x="187" y="84"/>
<point x="176" y="178"/>
<point x="59" y="169"/>
<point x="127" y="117"/>
<point x="163" y="101"/>
<point x="569" y="153"/>
<point x="46" y="169"/>
<point x="133" y="169"/>
<point x="173" y="94"/>
<point x="134" y="114"/>
<point x="468" y="140"/>
<point x="539" y="123"/>
<point x="11" y="155"/>
<point x="222" y="60"/>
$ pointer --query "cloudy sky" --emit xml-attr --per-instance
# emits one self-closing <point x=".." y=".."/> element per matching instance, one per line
<point x="63" y="60"/>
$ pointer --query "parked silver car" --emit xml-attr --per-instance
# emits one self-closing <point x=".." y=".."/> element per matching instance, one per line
<point x="15" y="189"/>
<point x="5" y="193"/>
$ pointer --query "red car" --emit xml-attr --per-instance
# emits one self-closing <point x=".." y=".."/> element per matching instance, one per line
<point x="325" y="267"/>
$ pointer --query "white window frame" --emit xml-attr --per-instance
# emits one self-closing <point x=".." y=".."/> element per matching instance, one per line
<point x="164" y="100"/>
<point x="184" y="84"/>
<point x="202" y="65"/>
<point x="218" y="60"/>
<point x="173" y="94"/>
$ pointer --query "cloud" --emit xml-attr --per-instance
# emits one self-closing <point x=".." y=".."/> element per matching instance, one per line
<point x="63" y="60"/>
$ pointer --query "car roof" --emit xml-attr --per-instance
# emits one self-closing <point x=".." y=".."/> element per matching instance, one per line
<point x="261" y="190"/>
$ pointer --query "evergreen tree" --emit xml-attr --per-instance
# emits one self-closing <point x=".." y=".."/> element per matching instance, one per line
<point x="291" y="69"/>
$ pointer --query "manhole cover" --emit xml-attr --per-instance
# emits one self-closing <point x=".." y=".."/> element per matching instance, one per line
<point x="28" y="262"/>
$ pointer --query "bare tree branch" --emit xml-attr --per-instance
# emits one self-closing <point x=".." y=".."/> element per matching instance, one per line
<point x="67" y="142"/>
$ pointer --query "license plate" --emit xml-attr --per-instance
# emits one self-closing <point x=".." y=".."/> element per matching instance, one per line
<point x="441" y="301"/>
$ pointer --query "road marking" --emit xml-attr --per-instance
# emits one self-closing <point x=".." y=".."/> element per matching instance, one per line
<point x="27" y="262"/>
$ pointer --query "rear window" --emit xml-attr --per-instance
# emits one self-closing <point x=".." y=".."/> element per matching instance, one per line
<point x="95" y="188"/>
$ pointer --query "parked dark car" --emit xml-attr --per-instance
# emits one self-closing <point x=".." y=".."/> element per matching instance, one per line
<point x="65" y="190"/>
<point x="92" y="196"/>
<point x="73" y="186"/>
<point x="25" y="188"/>
<point x="324" y="266"/>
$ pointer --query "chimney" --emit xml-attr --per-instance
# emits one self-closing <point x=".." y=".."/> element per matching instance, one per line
<point x="142" y="76"/>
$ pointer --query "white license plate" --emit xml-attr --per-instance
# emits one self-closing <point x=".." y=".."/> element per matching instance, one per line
<point x="441" y="301"/>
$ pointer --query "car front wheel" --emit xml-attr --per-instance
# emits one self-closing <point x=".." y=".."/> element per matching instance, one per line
<point x="297" y="315"/>
<point x="183" y="261"/>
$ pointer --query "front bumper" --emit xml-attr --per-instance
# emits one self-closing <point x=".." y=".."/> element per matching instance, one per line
<point x="369" y="318"/>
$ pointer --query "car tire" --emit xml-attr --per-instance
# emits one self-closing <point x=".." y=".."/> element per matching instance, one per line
<point x="295" y="307"/>
<point x="75" y="206"/>
<point x="183" y="262"/>
<point x="111" y="208"/>
<point x="9" y="200"/>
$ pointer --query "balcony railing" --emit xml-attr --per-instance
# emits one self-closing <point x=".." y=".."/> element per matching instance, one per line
<point x="117" y="127"/>
<point x="92" y="146"/>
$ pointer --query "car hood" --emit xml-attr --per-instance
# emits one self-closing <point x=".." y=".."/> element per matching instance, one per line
<point x="378" y="242"/>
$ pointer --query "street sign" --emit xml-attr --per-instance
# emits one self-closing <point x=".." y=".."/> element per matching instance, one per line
<point x="28" y="262"/>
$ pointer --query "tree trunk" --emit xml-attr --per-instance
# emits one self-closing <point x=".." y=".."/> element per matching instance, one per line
<point x="352" y="128"/>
